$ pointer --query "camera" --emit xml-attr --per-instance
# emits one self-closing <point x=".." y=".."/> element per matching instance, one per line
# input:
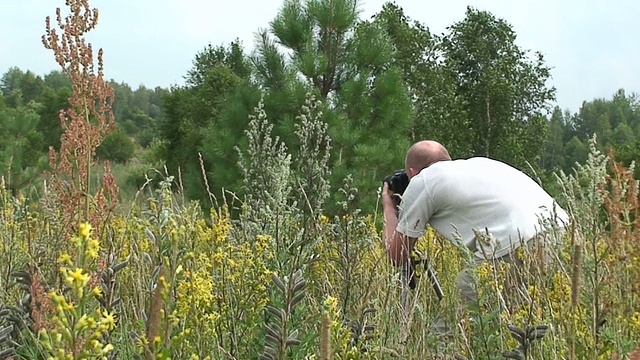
<point x="398" y="182"/>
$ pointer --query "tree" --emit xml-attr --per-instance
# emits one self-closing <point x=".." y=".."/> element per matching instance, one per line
<point x="438" y="115"/>
<point x="615" y="121"/>
<point x="554" y="145"/>
<point x="192" y="113"/>
<point x="576" y="151"/>
<point x="349" y="64"/>
<point x="232" y="56"/>
<point x="622" y="135"/>
<point x="18" y="137"/>
<point x="222" y="136"/>
<point x="52" y="102"/>
<point x="57" y="80"/>
<point x="316" y="32"/>
<point x="27" y="84"/>
<point x="594" y="118"/>
<point x="116" y="147"/>
<point x="502" y="90"/>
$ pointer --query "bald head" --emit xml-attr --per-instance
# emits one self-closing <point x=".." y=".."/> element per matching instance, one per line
<point x="425" y="153"/>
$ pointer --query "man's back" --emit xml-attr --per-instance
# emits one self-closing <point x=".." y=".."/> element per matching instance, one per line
<point x="479" y="193"/>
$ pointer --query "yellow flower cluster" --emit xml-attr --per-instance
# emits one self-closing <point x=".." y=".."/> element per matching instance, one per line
<point x="559" y="296"/>
<point x="635" y="322"/>
<point x="85" y="244"/>
<point x="340" y="335"/>
<point x="330" y="305"/>
<point x="195" y="292"/>
<point x="220" y="282"/>
<point x="78" y="320"/>
<point x="221" y="224"/>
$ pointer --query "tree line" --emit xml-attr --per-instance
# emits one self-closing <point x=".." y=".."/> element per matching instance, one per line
<point x="383" y="83"/>
<point x="30" y="122"/>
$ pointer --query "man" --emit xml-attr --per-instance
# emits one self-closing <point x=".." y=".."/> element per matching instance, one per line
<point x="488" y="206"/>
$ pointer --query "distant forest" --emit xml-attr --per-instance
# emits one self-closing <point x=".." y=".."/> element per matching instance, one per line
<point x="382" y="83"/>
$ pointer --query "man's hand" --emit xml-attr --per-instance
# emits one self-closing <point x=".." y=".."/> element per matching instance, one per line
<point x="397" y="245"/>
<point x="387" y="199"/>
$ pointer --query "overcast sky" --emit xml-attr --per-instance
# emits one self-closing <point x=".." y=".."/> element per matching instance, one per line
<point x="591" y="47"/>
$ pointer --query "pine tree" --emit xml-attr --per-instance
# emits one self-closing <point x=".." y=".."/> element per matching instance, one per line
<point x="348" y="63"/>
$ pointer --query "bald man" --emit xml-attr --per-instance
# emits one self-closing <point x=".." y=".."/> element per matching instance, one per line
<point x="487" y="205"/>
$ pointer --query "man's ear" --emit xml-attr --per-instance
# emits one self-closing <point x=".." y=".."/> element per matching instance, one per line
<point x="412" y="172"/>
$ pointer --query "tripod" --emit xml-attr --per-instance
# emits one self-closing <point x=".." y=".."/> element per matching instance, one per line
<point x="409" y="281"/>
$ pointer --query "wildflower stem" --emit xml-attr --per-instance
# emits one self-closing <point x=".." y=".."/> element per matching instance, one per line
<point x="88" y="164"/>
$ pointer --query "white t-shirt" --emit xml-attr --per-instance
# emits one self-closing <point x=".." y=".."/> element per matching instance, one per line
<point x="455" y="197"/>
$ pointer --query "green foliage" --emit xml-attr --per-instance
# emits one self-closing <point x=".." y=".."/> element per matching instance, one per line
<point x="278" y="335"/>
<point x="616" y="122"/>
<point x="232" y="56"/>
<point x="348" y="63"/>
<point x="438" y="112"/>
<point x="18" y="137"/>
<point x="504" y="91"/>
<point x="116" y="147"/>
<point x="35" y="102"/>
<point x="196" y="120"/>
<point x="220" y="139"/>
<point x="52" y="101"/>
<point x="20" y="87"/>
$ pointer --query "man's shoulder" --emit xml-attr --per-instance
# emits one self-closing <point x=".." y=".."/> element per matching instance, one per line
<point x="462" y="170"/>
<point x="464" y="164"/>
<point x="479" y="163"/>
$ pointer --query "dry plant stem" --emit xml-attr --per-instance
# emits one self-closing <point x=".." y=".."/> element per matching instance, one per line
<point x="347" y="266"/>
<point x="325" y="340"/>
<point x="153" y="325"/>
<point x="575" y="281"/>
<point x="86" y="123"/>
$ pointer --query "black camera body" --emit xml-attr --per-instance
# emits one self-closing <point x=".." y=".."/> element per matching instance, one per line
<point x="398" y="182"/>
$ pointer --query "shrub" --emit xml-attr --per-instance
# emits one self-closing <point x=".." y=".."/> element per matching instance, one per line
<point x="117" y="147"/>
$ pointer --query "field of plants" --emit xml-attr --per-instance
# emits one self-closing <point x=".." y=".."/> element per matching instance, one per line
<point x="271" y="275"/>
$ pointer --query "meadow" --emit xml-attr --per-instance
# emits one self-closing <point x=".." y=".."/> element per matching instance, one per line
<point x="86" y="274"/>
<point x="156" y="278"/>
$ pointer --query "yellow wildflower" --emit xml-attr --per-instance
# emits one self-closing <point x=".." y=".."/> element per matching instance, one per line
<point x="108" y="348"/>
<point x="484" y="270"/>
<point x="65" y="259"/>
<point x="331" y="304"/>
<point x="107" y="322"/>
<point x="84" y="230"/>
<point x="635" y="320"/>
<point x="77" y="278"/>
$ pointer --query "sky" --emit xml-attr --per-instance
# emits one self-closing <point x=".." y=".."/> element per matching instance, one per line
<point x="590" y="45"/>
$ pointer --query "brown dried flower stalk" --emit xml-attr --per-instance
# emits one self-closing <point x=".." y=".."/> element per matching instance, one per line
<point x="325" y="338"/>
<point x="154" y="321"/>
<point x="86" y="123"/>
<point x="41" y="305"/>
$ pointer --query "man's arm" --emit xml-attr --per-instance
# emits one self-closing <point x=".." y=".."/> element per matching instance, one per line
<point x="398" y="246"/>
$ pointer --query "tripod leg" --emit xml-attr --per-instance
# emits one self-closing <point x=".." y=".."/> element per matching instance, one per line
<point x="434" y="281"/>
<point x="404" y="295"/>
